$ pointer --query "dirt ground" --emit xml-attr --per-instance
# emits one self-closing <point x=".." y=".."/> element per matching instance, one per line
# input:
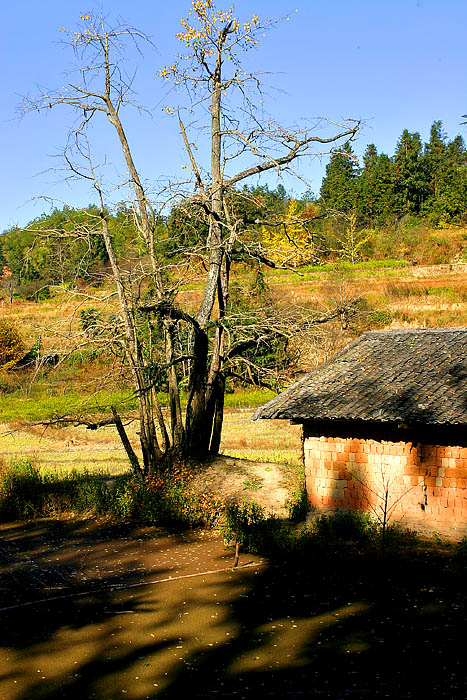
<point x="93" y="611"/>
<point x="230" y="478"/>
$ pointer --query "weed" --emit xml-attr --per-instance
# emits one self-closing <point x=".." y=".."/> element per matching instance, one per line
<point x="253" y="484"/>
<point x="348" y="526"/>
<point x="297" y="503"/>
<point x="461" y="549"/>
<point x="166" y="498"/>
<point x="402" y="290"/>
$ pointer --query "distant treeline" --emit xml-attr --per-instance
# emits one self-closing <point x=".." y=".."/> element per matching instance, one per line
<point x="382" y="207"/>
<point x="422" y="179"/>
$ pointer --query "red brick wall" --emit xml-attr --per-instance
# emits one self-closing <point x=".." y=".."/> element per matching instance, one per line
<point x="426" y="484"/>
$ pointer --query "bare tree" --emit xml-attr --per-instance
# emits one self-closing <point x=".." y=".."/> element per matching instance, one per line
<point x="157" y="334"/>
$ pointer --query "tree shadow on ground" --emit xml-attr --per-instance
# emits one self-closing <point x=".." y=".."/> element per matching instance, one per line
<point x="337" y="624"/>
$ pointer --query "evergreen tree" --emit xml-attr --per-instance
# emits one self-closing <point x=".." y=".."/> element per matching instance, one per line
<point x="410" y="185"/>
<point x="339" y="186"/>
<point x="451" y="189"/>
<point x="435" y="167"/>
<point x="376" y="188"/>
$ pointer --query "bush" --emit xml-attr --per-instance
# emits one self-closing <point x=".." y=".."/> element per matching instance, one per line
<point x="165" y="499"/>
<point x="344" y="528"/>
<point x="21" y="495"/>
<point x="77" y="492"/>
<point x="35" y="290"/>
<point x="26" y="493"/>
<point x="12" y="347"/>
<point x="256" y="531"/>
<point x="461" y="549"/>
<point x="297" y="504"/>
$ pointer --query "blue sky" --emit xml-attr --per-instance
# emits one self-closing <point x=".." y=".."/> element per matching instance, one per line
<point x="393" y="63"/>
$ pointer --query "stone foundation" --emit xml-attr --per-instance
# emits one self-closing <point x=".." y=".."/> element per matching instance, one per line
<point x="424" y="487"/>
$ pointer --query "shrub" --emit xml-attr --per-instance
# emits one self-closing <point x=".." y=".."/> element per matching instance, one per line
<point x="26" y="493"/>
<point x="256" y="531"/>
<point x="461" y="549"/>
<point x="34" y="290"/>
<point x="297" y="504"/>
<point x="166" y="498"/>
<point x="89" y="319"/>
<point x="12" y="347"/>
<point x="79" y="492"/>
<point x="344" y="527"/>
<point x="21" y="495"/>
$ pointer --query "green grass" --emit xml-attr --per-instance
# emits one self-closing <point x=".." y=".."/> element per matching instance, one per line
<point x="248" y="398"/>
<point x="41" y="406"/>
<point x="18" y="407"/>
<point x="364" y="265"/>
<point x="446" y="294"/>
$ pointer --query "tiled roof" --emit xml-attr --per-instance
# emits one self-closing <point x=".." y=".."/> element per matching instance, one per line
<point x="397" y="376"/>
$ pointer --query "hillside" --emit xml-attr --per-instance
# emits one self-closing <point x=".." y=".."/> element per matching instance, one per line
<point x="394" y="297"/>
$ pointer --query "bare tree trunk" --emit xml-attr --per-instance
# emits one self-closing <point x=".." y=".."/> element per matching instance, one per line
<point x="148" y="437"/>
<point x="198" y="429"/>
<point x="215" y="233"/>
<point x="176" y="416"/>
<point x="199" y="419"/>
<point x="134" y="461"/>
<point x="152" y="454"/>
<point x="218" y="418"/>
<point x="165" y="442"/>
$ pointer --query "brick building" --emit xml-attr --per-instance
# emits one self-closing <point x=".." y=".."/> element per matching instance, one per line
<point x="385" y="427"/>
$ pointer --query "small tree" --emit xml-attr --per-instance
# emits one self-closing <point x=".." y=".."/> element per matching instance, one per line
<point x="8" y="282"/>
<point x="352" y="240"/>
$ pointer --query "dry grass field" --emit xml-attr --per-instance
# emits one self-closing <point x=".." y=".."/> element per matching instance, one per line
<point x="65" y="449"/>
<point x="416" y="296"/>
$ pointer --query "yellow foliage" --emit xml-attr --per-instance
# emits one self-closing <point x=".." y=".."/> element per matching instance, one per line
<point x="290" y="241"/>
<point x="12" y="347"/>
<point x="209" y="31"/>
